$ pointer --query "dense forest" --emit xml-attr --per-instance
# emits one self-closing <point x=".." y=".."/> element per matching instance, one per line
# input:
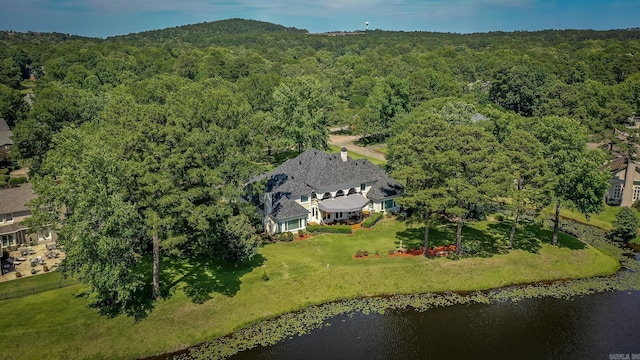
<point x="146" y="140"/>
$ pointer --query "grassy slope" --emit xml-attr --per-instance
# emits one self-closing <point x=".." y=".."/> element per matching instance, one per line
<point x="604" y="220"/>
<point x="59" y="325"/>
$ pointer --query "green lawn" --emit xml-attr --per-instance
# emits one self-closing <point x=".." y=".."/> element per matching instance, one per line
<point x="29" y="282"/>
<point x="355" y="156"/>
<point x="316" y="270"/>
<point x="603" y="220"/>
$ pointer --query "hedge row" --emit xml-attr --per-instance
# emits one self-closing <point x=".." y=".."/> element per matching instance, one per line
<point x="336" y="229"/>
<point x="372" y="220"/>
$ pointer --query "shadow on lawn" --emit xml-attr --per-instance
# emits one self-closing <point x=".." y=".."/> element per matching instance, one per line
<point x="491" y="240"/>
<point x="200" y="278"/>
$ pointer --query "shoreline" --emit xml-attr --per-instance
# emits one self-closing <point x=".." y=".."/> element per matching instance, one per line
<point x="300" y="282"/>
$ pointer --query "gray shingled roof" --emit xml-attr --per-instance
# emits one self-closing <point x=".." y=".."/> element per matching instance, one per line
<point x="288" y="209"/>
<point x="5" y="133"/>
<point x="314" y="170"/>
<point x="385" y="187"/>
<point x="15" y="199"/>
<point x="12" y="228"/>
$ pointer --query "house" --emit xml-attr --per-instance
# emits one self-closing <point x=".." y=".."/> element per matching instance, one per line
<point x="624" y="186"/>
<point x="321" y="188"/>
<point x="13" y="211"/>
<point x="5" y="135"/>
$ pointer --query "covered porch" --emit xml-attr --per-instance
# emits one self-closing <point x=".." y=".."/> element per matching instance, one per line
<point x="348" y="209"/>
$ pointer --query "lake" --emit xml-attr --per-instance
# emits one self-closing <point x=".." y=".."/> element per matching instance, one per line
<point x="600" y="326"/>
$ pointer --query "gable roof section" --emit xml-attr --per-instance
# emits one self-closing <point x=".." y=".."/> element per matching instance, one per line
<point x="3" y="125"/>
<point x="15" y="199"/>
<point x="5" y="133"/>
<point x="285" y="208"/>
<point x="385" y="187"/>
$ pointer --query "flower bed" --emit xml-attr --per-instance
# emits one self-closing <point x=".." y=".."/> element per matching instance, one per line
<point x="437" y="251"/>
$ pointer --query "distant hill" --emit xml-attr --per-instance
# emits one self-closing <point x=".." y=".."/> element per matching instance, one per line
<point x="191" y="33"/>
<point x="39" y="37"/>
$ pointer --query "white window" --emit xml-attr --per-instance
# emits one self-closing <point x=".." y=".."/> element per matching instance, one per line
<point x="291" y="225"/>
<point x="636" y="192"/>
<point x="363" y="187"/>
<point x="8" y="240"/>
<point x="6" y="218"/>
<point x="304" y="198"/>
<point x="616" y="192"/>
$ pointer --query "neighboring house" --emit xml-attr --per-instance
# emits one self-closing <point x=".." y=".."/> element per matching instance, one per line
<point x="633" y="121"/>
<point x="5" y="135"/>
<point x="13" y="210"/>
<point x="624" y="186"/>
<point x="321" y="188"/>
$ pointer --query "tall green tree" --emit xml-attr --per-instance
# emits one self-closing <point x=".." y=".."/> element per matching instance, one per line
<point x="389" y="97"/>
<point x="185" y="170"/>
<point x="417" y="162"/>
<point x="13" y="108"/>
<point x="519" y="88"/>
<point x="577" y="176"/>
<point x="98" y="227"/>
<point x="451" y="170"/>
<point x="530" y="187"/>
<point x="54" y="108"/>
<point x="481" y="173"/>
<point x="301" y="109"/>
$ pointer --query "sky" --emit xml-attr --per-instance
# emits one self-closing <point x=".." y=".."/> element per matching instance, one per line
<point x="104" y="18"/>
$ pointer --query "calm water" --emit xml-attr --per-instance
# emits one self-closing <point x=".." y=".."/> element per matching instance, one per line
<point x="591" y="327"/>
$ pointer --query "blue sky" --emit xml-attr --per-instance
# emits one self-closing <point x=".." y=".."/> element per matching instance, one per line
<point x="103" y="18"/>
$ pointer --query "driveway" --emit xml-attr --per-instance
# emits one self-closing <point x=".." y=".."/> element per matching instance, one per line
<point x="348" y="141"/>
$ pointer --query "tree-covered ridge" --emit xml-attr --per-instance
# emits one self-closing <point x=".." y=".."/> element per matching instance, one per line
<point x="188" y="33"/>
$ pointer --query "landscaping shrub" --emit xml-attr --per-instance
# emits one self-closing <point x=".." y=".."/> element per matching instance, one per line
<point x="334" y="229"/>
<point x="625" y="226"/>
<point x="372" y="220"/>
<point x="3" y="183"/>
<point x="17" y="181"/>
<point x="286" y="236"/>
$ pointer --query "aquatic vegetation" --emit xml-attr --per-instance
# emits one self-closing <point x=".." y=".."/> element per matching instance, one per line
<point x="272" y="331"/>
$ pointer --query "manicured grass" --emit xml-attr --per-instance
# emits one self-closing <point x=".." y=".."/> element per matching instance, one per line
<point x="604" y="220"/>
<point x="355" y="156"/>
<point x="29" y="282"/>
<point x="316" y="270"/>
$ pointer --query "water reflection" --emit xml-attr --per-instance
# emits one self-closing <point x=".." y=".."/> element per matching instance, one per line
<point x="591" y="327"/>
